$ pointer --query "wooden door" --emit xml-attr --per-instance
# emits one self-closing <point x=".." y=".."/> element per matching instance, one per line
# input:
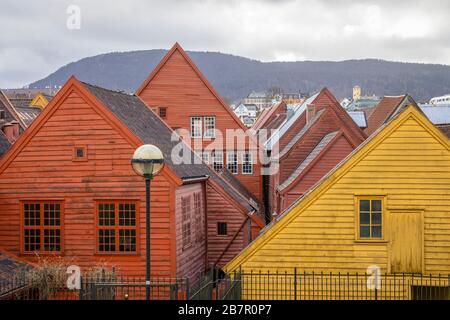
<point x="406" y="242"/>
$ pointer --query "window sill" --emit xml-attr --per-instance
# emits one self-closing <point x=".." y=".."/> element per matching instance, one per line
<point x="381" y="241"/>
<point x="115" y="254"/>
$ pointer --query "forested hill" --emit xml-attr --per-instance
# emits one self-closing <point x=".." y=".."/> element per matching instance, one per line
<point x="234" y="77"/>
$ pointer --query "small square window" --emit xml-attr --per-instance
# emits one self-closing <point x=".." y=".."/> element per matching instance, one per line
<point x="163" y="112"/>
<point x="370" y="219"/>
<point x="222" y="228"/>
<point x="80" y="153"/>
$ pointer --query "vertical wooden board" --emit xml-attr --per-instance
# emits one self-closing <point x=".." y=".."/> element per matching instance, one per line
<point x="406" y="242"/>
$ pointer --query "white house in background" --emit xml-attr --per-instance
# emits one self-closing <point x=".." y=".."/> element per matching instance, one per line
<point x="442" y="100"/>
<point x="241" y="110"/>
<point x="253" y="110"/>
<point x="345" y="102"/>
<point x="245" y="109"/>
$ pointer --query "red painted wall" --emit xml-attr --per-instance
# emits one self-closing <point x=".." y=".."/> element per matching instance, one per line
<point x="335" y="154"/>
<point x="178" y="88"/>
<point x="191" y="259"/>
<point x="45" y="170"/>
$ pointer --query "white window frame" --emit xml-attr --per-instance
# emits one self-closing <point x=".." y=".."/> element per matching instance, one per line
<point x="205" y="156"/>
<point x="232" y="154"/>
<point x="196" y="127"/>
<point x="244" y="163"/>
<point x="209" y="132"/>
<point x="214" y="158"/>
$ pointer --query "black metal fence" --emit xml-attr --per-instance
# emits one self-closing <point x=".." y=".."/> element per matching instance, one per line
<point x="244" y="285"/>
<point x="342" y="286"/>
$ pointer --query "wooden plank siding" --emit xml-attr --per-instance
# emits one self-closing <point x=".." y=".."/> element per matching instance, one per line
<point x="223" y="248"/>
<point x="408" y="165"/>
<point x="177" y="85"/>
<point x="331" y="118"/>
<point x="191" y="260"/>
<point x="337" y="151"/>
<point x="45" y="170"/>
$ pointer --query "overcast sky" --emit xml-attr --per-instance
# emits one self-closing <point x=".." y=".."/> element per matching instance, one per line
<point x="35" y="39"/>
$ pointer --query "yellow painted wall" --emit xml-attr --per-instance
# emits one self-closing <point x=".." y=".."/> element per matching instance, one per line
<point x="408" y="164"/>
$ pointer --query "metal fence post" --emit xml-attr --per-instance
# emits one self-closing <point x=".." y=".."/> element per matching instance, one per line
<point x="81" y="288"/>
<point x="187" y="289"/>
<point x="295" y="283"/>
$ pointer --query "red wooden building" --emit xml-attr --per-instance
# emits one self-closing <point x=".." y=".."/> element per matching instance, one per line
<point x="318" y="135"/>
<point x="67" y="188"/>
<point x="183" y="97"/>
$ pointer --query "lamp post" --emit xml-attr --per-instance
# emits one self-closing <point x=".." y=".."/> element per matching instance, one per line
<point x="147" y="161"/>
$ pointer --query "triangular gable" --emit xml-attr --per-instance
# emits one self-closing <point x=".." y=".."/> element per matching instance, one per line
<point x="71" y="85"/>
<point x="266" y="114"/>
<point x="295" y="177"/>
<point x="343" y="114"/>
<point x="178" y="48"/>
<point x="334" y="176"/>
<point x="10" y="108"/>
<point x="39" y="101"/>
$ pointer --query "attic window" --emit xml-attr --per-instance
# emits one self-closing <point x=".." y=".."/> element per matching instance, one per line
<point x="80" y="153"/>
<point x="2" y="114"/>
<point x="163" y="112"/>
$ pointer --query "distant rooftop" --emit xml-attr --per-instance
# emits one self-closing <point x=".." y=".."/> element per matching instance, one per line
<point x="438" y="115"/>
<point x="359" y="117"/>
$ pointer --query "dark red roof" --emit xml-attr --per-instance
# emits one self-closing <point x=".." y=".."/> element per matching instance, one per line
<point x="382" y="112"/>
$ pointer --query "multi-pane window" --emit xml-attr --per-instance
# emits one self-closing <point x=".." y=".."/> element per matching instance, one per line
<point x="232" y="162"/>
<point x="247" y="163"/>
<point x="186" y="221"/>
<point x="370" y="219"/>
<point x="163" y="112"/>
<point x="217" y="158"/>
<point x="222" y="228"/>
<point x="117" y="227"/>
<point x="198" y="212"/>
<point x="42" y="226"/>
<point x="205" y="156"/>
<point x="196" y="127"/>
<point x="210" y="127"/>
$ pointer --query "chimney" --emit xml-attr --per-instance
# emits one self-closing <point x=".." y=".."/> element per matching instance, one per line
<point x="16" y="131"/>
<point x="310" y="112"/>
<point x="11" y="131"/>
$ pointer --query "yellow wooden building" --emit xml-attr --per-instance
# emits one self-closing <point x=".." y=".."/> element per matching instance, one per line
<point x="386" y="205"/>
<point x="40" y="100"/>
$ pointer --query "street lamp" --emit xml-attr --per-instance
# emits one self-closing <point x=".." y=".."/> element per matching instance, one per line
<point x="147" y="161"/>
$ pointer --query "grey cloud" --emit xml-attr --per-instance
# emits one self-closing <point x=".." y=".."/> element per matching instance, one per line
<point x="38" y="42"/>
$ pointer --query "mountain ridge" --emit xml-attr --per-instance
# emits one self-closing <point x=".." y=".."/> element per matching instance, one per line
<point x="235" y="76"/>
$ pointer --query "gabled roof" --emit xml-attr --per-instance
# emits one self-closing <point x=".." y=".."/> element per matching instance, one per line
<point x="300" y="134"/>
<point x="383" y="111"/>
<point x="11" y="112"/>
<point x="326" y="140"/>
<point x="334" y="176"/>
<point x="135" y="120"/>
<point x="146" y="125"/>
<point x="239" y="187"/>
<point x="266" y="115"/>
<point x="177" y="48"/>
<point x="28" y="114"/>
<point x="297" y="112"/>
